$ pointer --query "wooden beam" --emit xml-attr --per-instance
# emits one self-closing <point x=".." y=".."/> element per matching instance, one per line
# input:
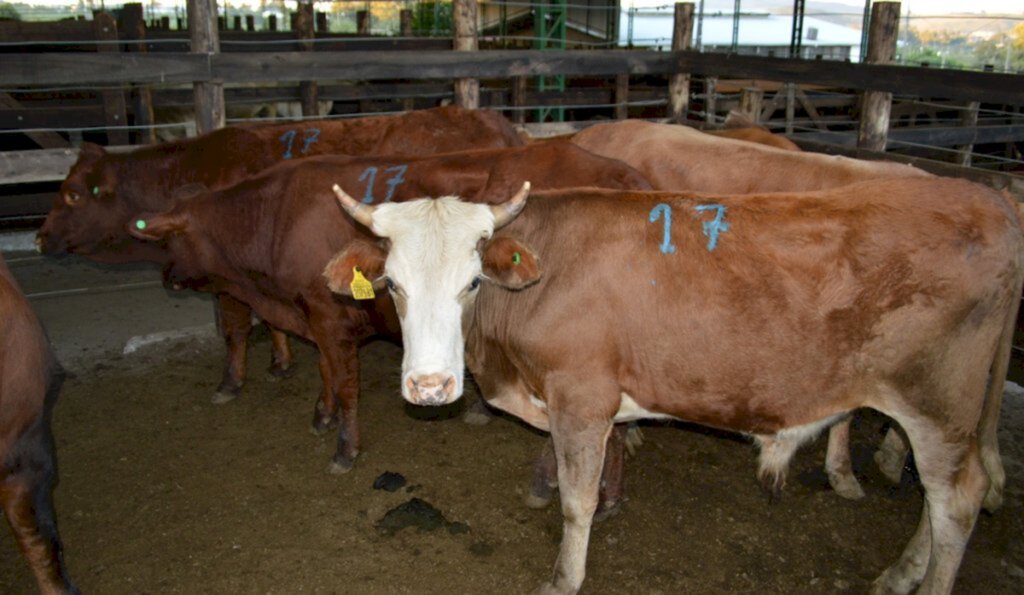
<point x="304" y="31"/>
<point x="464" y="16"/>
<point x="28" y="167"/>
<point x="968" y="119"/>
<point x="876" y="105"/>
<point x="679" y="84"/>
<point x="135" y="29"/>
<point x="946" y="136"/>
<point x="114" y="108"/>
<point x="209" y="90"/>
<point x="47" y="69"/>
<point x="9" y="107"/>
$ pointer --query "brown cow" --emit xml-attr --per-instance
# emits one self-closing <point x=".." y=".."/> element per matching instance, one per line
<point x="678" y="158"/>
<point x="103" y="192"/>
<point x="739" y="126"/>
<point x="771" y="315"/>
<point x="30" y="378"/>
<point x="266" y="240"/>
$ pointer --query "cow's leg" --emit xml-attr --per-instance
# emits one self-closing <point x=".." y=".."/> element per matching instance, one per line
<point x="234" y="319"/>
<point x="282" y="364"/>
<point x="838" y="464"/>
<point x="27" y="500"/>
<point x="341" y="362"/>
<point x="955" y="482"/>
<point x="891" y="455"/>
<point x="545" y="476"/>
<point x="580" y="420"/>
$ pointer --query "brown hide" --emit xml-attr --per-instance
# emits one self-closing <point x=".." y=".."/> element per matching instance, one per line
<point x="676" y="157"/>
<point x="29" y="380"/>
<point x="891" y="294"/>
<point x="226" y="245"/>
<point x="756" y="134"/>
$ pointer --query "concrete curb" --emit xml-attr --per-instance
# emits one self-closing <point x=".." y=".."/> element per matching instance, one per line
<point x="18" y="241"/>
<point x="140" y="341"/>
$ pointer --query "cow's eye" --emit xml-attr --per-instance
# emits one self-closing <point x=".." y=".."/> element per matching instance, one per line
<point x="389" y="284"/>
<point x="474" y="283"/>
<point x="71" y="198"/>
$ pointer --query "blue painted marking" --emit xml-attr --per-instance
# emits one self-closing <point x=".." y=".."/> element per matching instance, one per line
<point x="310" y="137"/>
<point x="394" y="180"/>
<point x="715" y="226"/>
<point x="288" y="138"/>
<point x="666" y="243"/>
<point x="653" y="282"/>
<point x="371" y="173"/>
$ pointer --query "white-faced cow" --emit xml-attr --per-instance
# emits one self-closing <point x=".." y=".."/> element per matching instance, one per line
<point x="266" y="240"/>
<point x="771" y="315"/>
<point x="30" y="379"/>
<point x="105" y="191"/>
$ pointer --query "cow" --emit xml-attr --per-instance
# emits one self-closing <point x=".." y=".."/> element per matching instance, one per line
<point x="771" y="315"/>
<point x="677" y="158"/>
<point x="30" y="379"/>
<point x="104" y="191"/>
<point x="740" y="126"/>
<point x="266" y="240"/>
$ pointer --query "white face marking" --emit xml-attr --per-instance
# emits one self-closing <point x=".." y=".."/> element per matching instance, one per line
<point x="433" y="262"/>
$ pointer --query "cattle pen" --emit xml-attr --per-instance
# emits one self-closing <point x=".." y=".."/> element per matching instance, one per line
<point x="162" y="491"/>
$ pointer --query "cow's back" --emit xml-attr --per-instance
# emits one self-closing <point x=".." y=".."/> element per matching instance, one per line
<point x="856" y="284"/>
<point x="676" y="157"/>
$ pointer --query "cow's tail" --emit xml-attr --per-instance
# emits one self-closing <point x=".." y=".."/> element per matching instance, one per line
<point x="988" y="425"/>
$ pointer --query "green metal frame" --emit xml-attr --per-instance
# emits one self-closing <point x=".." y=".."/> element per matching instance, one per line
<point x="549" y="29"/>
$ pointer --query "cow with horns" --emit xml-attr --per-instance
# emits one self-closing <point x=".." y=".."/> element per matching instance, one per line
<point x="771" y="315"/>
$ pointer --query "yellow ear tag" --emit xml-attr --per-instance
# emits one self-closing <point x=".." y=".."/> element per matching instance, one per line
<point x="362" y="289"/>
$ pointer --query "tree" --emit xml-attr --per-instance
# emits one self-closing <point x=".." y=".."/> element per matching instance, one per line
<point x="8" y="12"/>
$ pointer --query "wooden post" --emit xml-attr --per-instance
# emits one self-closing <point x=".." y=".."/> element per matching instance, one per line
<point x="519" y="99"/>
<point x="464" y="15"/>
<point x="750" y="102"/>
<point x="304" y="31"/>
<point x="679" y="84"/>
<point x="250" y="23"/>
<point x="968" y="119"/>
<point x="790" y="106"/>
<point x="237" y="26"/>
<point x="363" y="22"/>
<point x="114" y="110"/>
<point x="272" y="22"/>
<point x="710" y="99"/>
<point x="876" y="105"/>
<point x="209" y="96"/>
<point x="321" y="22"/>
<point x="405" y="22"/>
<point x="622" y="95"/>
<point x="135" y="29"/>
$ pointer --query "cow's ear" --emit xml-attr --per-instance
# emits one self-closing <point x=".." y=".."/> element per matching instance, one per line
<point x="157" y="227"/>
<point x="188" y="191"/>
<point x="91" y="151"/>
<point x="510" y="263"/>
<point x="368" y="258"/>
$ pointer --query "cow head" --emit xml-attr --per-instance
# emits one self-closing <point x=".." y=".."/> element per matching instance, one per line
<point x="438" y="253"/>
<point x="186" y="265"/>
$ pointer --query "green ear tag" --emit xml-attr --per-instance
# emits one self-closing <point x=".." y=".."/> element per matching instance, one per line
<point x="516" y="258"/>
<point x="140" y="224"/>
<point x="96" y="190"/>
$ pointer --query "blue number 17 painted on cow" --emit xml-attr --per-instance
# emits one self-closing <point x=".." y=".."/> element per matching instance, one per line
<point x="310" y="136"/>
<point x="664" y="210"/>
<point x="715" y="226"/>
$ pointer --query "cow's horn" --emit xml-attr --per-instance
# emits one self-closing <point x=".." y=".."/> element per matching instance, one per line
<point x="360" y="212"/>
<point x="510" y="209"/>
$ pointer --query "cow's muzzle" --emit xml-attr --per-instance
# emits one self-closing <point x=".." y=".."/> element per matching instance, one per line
<point x="431" y="389"/>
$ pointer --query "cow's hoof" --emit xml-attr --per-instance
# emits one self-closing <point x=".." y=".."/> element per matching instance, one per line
<point x="477" y="414"/>
<point x="890" y="464"/>
<point x="323" y="424"/>
<point x="536" y="502"/>
<point x="220" y="397"/>
<point x="339" y="467"/>
<point x="993" y="500"/>
<point x="277" y="372"/>
<point x="846" y="486"/>
<point x="607" y="510"/>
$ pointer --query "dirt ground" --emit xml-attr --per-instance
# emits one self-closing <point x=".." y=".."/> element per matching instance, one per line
<point x="162" y="492"/>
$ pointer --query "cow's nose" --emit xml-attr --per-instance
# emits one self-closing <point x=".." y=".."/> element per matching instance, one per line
<point x="431" y="389"/>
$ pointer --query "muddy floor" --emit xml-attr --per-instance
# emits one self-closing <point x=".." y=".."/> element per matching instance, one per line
<point x="162" y="492"/>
